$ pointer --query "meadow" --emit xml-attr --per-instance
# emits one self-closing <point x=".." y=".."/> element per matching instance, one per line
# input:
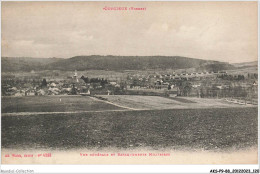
<point x="156" y="102"/>
<point x="53" y="104"/>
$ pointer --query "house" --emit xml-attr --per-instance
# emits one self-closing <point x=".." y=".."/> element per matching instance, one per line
<point x="41" y="92"/>
<point x="112" y="83"/>
<point x="19" y="94"/>
<point x="195" y="86"/>
<point x="29" y="92"/>
<point x="53" y="85"/>
<point x="53" y="91"/>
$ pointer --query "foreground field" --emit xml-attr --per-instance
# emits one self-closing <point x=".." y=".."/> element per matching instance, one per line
<point x="208" y="129"/>
<point x="53" y="104"/>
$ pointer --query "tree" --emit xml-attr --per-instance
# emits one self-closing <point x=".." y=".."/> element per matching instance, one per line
<point x="44" y="83"/>
<point x="86" y="79"/>
<point x="187" y="89"/>
<point x="73" y="90"/>
<point x="184" y="87"/>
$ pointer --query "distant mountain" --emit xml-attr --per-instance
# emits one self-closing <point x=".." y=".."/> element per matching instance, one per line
<point x="245" y="64"/>
<point x="113" y="63"/>
<point x="17" y="64"/>
<point x="118" y="63"/>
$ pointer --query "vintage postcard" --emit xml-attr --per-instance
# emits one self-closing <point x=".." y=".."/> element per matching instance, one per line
<point x="129" y="83"/>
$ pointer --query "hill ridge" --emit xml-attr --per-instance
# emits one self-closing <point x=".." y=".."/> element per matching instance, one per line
<point x="110" y="62"/>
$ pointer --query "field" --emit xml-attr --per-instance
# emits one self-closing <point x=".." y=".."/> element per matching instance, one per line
<point x="155" y="102"/>
<point x="126" y="122"/>
<point x="65" y="104"/>
<point x="209" y="129"/>
<point x="54" y="104"/>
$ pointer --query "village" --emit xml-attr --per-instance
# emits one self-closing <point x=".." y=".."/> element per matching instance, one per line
<point x="197" y="84"/>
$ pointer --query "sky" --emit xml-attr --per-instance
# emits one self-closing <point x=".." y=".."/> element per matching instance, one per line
<point x="222" y="31"/>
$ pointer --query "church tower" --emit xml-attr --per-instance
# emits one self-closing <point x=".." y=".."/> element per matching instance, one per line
<point x="75" y="76"/>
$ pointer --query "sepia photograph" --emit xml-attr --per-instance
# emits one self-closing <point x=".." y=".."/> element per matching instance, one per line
<point x="129" y="82"/>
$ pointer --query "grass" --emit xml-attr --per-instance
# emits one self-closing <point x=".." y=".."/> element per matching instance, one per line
<point x="210" y="129"/>
<point x="53" y="104"/>
<point x="183" y="100"/>
<point x="157" y="102"/>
